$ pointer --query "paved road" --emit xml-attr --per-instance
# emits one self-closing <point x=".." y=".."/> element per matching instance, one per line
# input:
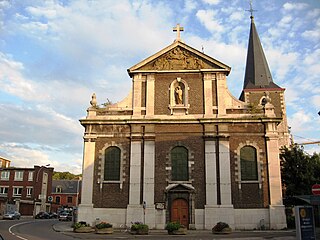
<point x="65" y="229"/>
<point x="30" y="229"/>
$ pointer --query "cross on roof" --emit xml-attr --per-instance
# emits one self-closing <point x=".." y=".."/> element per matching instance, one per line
<point x="178" y="29"/>
<point x="251" y="10"/>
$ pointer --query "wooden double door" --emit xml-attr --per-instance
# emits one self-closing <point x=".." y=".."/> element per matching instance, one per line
<point x="180" y="211"/>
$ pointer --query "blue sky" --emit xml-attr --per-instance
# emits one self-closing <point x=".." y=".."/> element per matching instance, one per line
<point x="55" y="54"/>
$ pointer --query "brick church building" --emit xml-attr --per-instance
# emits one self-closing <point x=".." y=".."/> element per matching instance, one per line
<point x="181" y="148"/>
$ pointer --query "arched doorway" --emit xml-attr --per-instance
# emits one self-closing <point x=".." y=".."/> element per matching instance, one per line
<point x="180" y="211"/>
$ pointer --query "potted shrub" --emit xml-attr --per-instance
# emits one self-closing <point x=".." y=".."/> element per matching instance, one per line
<point x="139" y="228"/>
<point x="104" y="228"/>
<point x="221" y="227"/>
<point x="175" y="228"/>
<point x="82" y="227"/>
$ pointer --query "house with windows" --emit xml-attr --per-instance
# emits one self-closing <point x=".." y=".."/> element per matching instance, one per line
<point x="65" y="194"/>
<point x="25" y="189"/>
<point x="181" y="148"/>
<point x="4" y="163"/>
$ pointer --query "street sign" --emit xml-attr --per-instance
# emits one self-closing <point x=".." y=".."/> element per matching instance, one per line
<point x="305" y="225"/>
<point x="316" y="189"/>
<point x="50" y="198"/>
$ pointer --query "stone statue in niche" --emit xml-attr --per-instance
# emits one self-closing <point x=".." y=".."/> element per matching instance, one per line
<point x="179" y="95"/>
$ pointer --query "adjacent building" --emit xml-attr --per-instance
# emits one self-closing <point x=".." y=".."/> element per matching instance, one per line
<point x="4" y="163"/>
<point x="25" y="189"/>
<point x="181" y="148"/>
<point x="65" y="194"/>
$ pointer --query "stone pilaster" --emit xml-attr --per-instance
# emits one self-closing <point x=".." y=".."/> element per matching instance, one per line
<point x="207" y="85"/>
<point x="85" y="212"/>
<point x="137" y="94"/>
<point x="148" y="182"/>
<point x="276" y="208"/>
<point x="135" y="172"/>
<point x="211" y="172"/>
<point x="135" y="209"/>
<point x="225" y="175"/>
<point x="222" y="94"/>
<point x="150" y="95"/>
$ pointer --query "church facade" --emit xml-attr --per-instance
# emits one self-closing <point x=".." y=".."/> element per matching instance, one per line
<point x="181" y="148"/>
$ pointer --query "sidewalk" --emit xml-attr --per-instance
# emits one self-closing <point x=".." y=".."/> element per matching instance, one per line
<point x="65" y="228"/>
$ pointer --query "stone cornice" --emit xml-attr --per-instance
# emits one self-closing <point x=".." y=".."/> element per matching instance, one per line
<point x="170" y="120"/>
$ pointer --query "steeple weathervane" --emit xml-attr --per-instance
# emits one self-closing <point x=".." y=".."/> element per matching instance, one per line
<point x="251" y="10"/>
<point x="178" y="29"/>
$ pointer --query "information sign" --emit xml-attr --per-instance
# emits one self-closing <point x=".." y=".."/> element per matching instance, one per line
<point x="305" y="227"/>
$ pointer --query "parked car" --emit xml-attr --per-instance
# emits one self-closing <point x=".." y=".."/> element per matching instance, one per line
<point x="12" y="215"/>
<point x="53" y="215"/>
<point x="65" y="216"/>
<point x="42" y="215"/>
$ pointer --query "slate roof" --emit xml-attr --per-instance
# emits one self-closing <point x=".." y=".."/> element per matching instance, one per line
<point x="67" y="186"/>
<point x="257" y="74"/>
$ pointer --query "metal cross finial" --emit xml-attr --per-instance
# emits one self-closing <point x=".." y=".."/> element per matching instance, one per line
<point x="178" y="29"/>
<point x="251" y="10"/>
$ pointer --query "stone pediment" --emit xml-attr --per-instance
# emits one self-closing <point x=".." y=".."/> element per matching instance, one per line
<point x="180" y="187"/>
<point x="178" y="56"/>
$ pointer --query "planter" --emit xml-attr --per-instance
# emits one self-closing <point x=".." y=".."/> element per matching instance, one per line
<point x="226" y="230"/>
<point x="180" y="231"/>
<point x="83" y="230"/>
<point x="139" y="232"/>
<point x="104" y="230"/>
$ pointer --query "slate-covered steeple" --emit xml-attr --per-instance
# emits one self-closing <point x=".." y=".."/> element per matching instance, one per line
<point x="257" y="75"/>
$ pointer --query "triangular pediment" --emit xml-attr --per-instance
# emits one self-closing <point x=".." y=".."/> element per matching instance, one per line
<point x="179" y="187"/>
<point x="179" y="57"/>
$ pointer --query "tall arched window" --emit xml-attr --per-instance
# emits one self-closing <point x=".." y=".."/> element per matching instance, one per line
<point x="248" y="161"/>
<point x="179" y="161"/>
<point x="112" y="164"/>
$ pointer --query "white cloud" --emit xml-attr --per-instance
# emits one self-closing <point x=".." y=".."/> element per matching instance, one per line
<point x="316" y="101"/>
<point x="236" y="16"/>
<point x="47" y="11"/>
<point x="285" y="21"/>
<point x="294" y="6"/>
<point x="281" y="63"/>
<point x="312" y="35"/>
<point x="13" y="82"/>
<point x="300" y="121"/>
<point x="212" y="2"/>
<point x="190" y="5"/>
<point x="28" y="156"/>
<point x="207" y="18"/>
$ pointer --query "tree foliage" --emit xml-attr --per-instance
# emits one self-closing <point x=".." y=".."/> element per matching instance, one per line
<point x="65" y="176"/>
<point x="299" y="170"/>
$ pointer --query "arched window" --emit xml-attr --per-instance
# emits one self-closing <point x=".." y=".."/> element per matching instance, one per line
<point x="112" y="164"/>
<point x="179" y="162"/>
<point x="248" y="161"/>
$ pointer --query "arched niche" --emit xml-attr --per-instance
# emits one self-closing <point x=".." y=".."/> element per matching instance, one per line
<point x="179" y="97"/>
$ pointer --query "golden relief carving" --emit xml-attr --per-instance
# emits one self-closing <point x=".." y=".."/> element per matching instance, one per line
<point x="177" y="59"/>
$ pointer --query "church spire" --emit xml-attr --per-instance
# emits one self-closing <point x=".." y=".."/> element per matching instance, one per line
<point x="257" y="74"/>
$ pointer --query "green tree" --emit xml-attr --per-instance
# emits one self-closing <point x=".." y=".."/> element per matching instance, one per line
<point x="65" y="176"/>
<point x="299" y="170"/>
